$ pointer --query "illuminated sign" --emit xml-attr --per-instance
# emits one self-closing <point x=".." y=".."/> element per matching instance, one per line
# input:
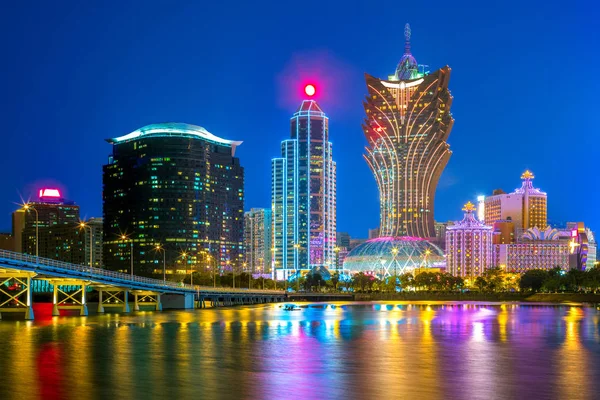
<point x="574" y="233"/>
<point x="310" y="90"/>
<point x="50" y="193"/>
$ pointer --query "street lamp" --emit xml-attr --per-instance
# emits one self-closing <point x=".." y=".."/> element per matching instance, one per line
<point x="164" y="251"/>
<point x="83" y="225"/>
<point x="214" y="270"/>
<point x="395" y="253"/>
<point x="297" y="264"/>
<point x="184" y="256"/>
<point x="233" y="273"/>
<point x="28" y="207"/>
<point x="245" y="265"/>
<point x="126" y="239"/>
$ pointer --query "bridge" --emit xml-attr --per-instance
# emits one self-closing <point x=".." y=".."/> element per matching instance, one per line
<point x="113" y="288"/>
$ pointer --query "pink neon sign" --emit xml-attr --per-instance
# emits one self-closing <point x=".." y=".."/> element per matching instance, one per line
<point x="50" y="193"/>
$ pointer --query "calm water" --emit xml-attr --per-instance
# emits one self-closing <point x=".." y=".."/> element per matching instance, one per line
<point x="338" y="350"/>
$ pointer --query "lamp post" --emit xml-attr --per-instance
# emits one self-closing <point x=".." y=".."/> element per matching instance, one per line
<point x="275" y="274"/>
<point x="245" y="265"/>
<point x="164" y="251"/>
<point x="297" y="264"/>
<point x="184" y="256"/>
<point x="83" y="225"/>
<point x="126" y="239"/>
<point x="214" y="270"/>
<point x="260" y="269"/>
<point x="28" y="207"/>
<point x="233" y="273"/>
<point x="394" y="254"/>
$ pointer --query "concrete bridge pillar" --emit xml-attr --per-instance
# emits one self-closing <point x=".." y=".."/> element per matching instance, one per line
<point x="126" y="301"/>
<point x="136" y="306"/>
<point x="84" y="308"/>
<point x="55" y="311"/>
<point x="158" y="302"/>
<point x="100" y="305"/>
<point x="29" y="311"/>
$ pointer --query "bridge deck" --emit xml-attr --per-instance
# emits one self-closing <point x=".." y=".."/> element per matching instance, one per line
<point x="44" y="268"/>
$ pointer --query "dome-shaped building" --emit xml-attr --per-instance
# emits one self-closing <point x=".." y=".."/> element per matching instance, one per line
<point x="387" y="256"/>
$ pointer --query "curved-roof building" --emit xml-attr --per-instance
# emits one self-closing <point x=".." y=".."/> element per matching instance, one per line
<point x="387" y="256"/>
<point x="180" y="187"/>
<point x="175" y="129"/>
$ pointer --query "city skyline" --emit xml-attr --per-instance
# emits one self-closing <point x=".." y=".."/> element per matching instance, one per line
<point x="113" y="100"/>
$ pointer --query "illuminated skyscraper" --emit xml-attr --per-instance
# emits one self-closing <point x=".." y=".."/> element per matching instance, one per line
<point x="407" y="124"/>
<point x="58" y="234"/>
<point x="257" y="240"/>
<point x="526" y="207"/>
<point x="177" y="186"/>
<point x="304" y="195"/>
<point x="468" y="246"/>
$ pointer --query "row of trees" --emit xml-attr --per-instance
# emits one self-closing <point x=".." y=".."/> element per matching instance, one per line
<point x="557" y="280"/>
<point x="493" y="280"/>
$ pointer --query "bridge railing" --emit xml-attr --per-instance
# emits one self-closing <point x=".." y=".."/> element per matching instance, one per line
<point x="93" y="272"/>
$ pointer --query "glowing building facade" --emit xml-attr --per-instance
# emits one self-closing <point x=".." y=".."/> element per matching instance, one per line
<point x="468" y="246"/>
<point x="393" y="256"/>
<point x="257" y="240"/>
<point x="177" y="186"/>
<point x="304" y="195"/>
<point x="545" y="249"/>
<point x="407" y="123"/>
<point x="526" y="207"/>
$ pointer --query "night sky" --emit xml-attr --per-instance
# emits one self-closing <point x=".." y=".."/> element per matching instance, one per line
<point x="523" y="78"/>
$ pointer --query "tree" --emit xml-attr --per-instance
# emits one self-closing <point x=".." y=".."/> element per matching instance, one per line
<point x="335" y="279"/>
<point x="426" y="279"/>
<point x="480" y="283"/>
<point x="533" y="279"/>
<point x="312" y="281"/>
<point x="362" y="281"/>
<point x="406" y="281"/>
<point x="495" y="278"/>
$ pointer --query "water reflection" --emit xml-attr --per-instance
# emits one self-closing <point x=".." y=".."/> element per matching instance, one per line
<point x="340" y="350"/>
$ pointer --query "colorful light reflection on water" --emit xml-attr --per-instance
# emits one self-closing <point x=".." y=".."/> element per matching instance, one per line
<point x="337" y="350"/>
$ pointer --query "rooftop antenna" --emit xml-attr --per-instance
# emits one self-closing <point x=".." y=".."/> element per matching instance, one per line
<point x="407" y="39"/>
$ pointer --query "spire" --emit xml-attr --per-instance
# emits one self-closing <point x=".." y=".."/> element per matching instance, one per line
<point x="469" y="207"/>
<point x="407" y="67"/>
<point x="527" y="175"/>
<point x="407" y="39"/>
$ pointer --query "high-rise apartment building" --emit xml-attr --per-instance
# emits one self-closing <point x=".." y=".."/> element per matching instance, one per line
<point x="304" y="195"/>
<point x="257" y="240"/>
<point x="95" y="229"/>
<point x="468" y="246"/>
<point x="526" y="207"/>
<point x="177" y="186"/>
<point x="407" y="124"/>
<point x="57" y="236"/>
<point x="343" y="240"/>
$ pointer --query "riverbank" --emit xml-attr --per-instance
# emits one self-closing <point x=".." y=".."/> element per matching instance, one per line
<point x="477" y="296"/>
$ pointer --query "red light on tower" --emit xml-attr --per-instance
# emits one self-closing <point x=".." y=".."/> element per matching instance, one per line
<point x="310" y="90"/>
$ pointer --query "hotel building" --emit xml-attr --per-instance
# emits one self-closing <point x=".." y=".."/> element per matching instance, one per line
<point x="407" y="123"/>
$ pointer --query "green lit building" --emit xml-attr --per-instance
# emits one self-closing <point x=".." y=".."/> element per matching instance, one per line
<point x="176" y="186"/>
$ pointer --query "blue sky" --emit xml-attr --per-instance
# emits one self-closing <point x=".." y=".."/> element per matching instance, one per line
<point x="523" y="81"/>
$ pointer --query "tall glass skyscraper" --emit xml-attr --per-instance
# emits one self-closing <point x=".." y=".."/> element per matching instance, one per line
<point x="304" y="195"/>
<point x="179" y="187"/>
<point x="407" y="124"/>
